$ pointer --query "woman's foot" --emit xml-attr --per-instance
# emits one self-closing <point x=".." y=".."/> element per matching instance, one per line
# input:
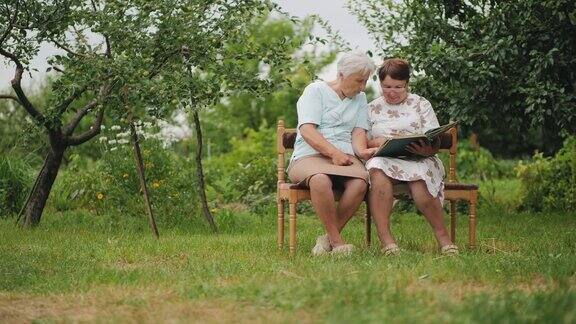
<point x="322" y="245"/>
<point x="391" y="249"/>
<point x="449" y="249"/>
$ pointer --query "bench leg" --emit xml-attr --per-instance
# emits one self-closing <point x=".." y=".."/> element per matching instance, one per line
<point x="453" y="220"/>
<point x="472" y="221"/>
<point x="292" y="228"/>
<point x="280" y="204"/>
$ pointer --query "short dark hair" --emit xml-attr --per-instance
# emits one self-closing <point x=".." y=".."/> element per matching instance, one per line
<point x="396" y="68"/>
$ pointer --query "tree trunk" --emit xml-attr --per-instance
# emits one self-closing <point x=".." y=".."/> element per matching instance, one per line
<point x="198" y="130"/>
<point x="142" y="176"/>
<point x="32" y="211"/>
<point x="200" y="172"/>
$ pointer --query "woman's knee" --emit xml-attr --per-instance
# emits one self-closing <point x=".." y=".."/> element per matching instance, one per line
<point x="381" y="187"/>
<point x="420" y="194"/>
<point x="379" y="179"/>
<point x="320" y="181"/>
<point x="357" y="185"/>
<point x="377" y="174"/>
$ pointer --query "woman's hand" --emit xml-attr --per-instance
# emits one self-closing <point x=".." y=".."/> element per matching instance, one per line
<point x="341" y="158"/>
<point x="423" y="149"/>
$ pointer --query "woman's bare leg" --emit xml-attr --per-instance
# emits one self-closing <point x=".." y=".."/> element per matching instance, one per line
<point x="381" y="199"/>
<point x="352" y="197"/>
<point x="432" y="210"/>
<point x="322" y="198"/>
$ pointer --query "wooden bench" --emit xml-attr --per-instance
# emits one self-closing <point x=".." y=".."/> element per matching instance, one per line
<point x="293" y="194"/>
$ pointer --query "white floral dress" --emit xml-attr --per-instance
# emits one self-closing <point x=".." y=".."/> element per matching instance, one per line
<point x="413" y="116"/>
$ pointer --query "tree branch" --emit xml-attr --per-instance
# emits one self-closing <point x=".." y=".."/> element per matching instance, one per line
<point x="61" y="108"/>
<point x="156" y="69"/>
<point x="10" y="97"/>
<point x="95" y="128"/>
<point x="57" y="69"/>
<point x="93" y="5"/>
<point x="78" y="117"/>
<point x="106" y="39"/>
<point x="104" y="91"/>
<point x="108" y="48"/>
<point x="89" y="134"/>
<point x="11" y="24"/>
<point x="63" y="47"/>
<point x="17" y="86"/>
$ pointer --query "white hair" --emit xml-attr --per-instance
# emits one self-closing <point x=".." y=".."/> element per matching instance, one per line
<point x="354" y="62"/>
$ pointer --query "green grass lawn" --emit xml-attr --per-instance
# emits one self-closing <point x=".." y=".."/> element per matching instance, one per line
<point x="81" y="267"/>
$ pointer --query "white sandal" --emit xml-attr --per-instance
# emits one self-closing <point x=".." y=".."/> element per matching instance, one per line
<point x="449" y="249"/>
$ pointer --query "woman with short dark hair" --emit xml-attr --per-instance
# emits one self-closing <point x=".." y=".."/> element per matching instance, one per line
<point x="398" y="112"/>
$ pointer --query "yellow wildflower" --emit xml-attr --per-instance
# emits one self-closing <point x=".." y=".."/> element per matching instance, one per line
<point x="155" y="184"/>
<point x="100" y="196"/>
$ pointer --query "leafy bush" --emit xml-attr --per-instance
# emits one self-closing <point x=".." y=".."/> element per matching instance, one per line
<point x="112" y="183"/>
<point x="478" y="164"/>
<point x="549" y="184"/>
<point x="15" y="183"/>
<point x="480" y="63"/>
<point x="247" y="173"/>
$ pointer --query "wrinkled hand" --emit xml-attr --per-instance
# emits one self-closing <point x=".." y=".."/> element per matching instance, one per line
<point x="422" y="149"/>
<point x="341" y="158"/>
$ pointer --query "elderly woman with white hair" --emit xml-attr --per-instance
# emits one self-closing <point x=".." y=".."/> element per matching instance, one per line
<point x="332" y="120"/>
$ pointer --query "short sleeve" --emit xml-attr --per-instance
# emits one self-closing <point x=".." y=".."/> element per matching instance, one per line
<point x="370" y="112"/>
<point x="362" y="121"/>
<point x="429" y="119"/>
<point x="310" y="106"/>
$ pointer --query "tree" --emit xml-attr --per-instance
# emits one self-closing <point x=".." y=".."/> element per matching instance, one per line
<point x="245" y="66"/>
<point x="500" y="67"/>
<point x="109" y="45"/>
<point x="27" y="25"/>
<point x="233" y="116"/>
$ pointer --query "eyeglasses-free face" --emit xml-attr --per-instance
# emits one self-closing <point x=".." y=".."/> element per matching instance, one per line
<point x="354" y="83"/>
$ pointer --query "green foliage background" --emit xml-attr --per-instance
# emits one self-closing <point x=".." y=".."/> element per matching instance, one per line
<point x="548" y="183"/>
<point x="510" y="88"/>
<point x="505" y="69"/>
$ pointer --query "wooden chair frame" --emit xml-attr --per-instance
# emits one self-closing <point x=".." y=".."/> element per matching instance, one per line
<point x="293" y="194"/>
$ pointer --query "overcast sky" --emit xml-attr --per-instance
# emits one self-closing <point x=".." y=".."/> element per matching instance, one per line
<point x="331" y="10"/>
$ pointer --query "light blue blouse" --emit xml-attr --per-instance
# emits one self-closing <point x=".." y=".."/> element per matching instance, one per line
<point x="335" y="118"/>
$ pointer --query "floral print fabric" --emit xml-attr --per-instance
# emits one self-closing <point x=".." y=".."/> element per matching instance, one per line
<point x="413" y="116"/>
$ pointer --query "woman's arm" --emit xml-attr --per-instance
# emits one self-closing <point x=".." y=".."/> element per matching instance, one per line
<point x="376" y="142"/>
<point x="360" y="144"/>
<point x="313" y="137"/>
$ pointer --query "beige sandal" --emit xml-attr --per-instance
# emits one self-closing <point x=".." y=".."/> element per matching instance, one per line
<point x="449" y="249"/>
<point x="322" y="245"/>
<point x="391" y="249"/>
<point x="344" y="249"/>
